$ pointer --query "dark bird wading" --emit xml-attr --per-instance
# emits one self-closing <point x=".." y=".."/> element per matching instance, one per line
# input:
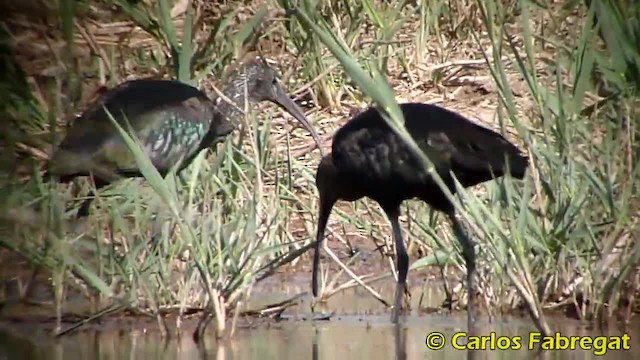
<point x="368" y="159"/>
<point x="173" y="121"/>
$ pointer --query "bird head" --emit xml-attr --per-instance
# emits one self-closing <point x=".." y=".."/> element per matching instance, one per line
<point x="261" y="84"/>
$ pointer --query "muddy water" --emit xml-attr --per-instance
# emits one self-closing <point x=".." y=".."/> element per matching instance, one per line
<point x="352" y="337"/>
<point x="360" y="329"/>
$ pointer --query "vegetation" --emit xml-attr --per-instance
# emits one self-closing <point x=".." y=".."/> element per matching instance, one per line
<point x="561" y="79"/>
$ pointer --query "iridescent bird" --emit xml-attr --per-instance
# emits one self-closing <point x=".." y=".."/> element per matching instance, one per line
<point x="173" y="121"/>
<point x="368" y="159"/>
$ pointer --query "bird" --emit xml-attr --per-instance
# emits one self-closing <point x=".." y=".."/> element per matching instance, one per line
<point x="174" y="122"/>
<point x="368" y="159"/>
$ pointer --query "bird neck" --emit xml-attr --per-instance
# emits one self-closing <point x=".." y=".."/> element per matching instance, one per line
<point x="237" y="100"/>
<point x="337" y="185"/>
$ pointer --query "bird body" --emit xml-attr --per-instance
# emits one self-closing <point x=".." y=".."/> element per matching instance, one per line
<point x="370" y="154"/>
<point x="369" y="159"/>
<point x="170" y="118"/>
<point x="173" y="121"/>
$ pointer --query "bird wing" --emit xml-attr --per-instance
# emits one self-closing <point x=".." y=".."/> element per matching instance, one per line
<point x="128" y="101"/>
<point x="487" y="153"/>
<point x="367" y="145"/>
<point x="168" y="117"/>
<point x="476" y="153"/>
<point x="168" y="134"/>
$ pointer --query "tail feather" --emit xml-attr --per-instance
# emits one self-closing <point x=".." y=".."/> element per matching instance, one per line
<point x="471" y="170"/>
<point x="518" y="166"/>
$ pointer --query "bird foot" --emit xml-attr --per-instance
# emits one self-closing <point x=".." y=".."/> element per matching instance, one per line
<point x="317" y="301"/>
<point x="322" y="316"/>
<point x="395" y="315"/>
<point x="317" y="313"/>
<point x="398" y="307"/>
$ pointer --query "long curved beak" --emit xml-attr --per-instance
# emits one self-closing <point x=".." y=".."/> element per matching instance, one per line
<point x="284" y="101"/>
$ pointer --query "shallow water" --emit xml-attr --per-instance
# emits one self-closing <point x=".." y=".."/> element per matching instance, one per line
<point x="360" y="329"/>
<point x="369" y="337"/>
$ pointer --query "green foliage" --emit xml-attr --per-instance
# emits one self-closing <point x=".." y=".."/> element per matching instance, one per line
<point x="579" y="199"/>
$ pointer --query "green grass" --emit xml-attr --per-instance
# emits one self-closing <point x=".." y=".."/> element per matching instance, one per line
<point x="563" y="212"/>
<point x="573" y="219"/>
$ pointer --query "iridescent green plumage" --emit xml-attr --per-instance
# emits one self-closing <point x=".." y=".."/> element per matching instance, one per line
<point x="169" y="117"/>
<point x="173" y="121"/>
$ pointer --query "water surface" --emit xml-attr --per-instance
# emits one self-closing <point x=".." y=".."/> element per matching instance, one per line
<point x="360" y="329"/>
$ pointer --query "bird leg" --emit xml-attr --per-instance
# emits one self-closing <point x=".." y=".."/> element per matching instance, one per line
<point x="156" y="230"/>
<point x="182" y="179"/>
<point x="402" y="263"/>
<point x="326" y="204"/>
<point x="469" y="254"/>
<point x="83" y="211"/>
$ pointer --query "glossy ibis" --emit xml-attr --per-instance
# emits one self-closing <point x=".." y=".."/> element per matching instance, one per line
<point x="368" y="159"/>
<point x="174" y="122"/>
